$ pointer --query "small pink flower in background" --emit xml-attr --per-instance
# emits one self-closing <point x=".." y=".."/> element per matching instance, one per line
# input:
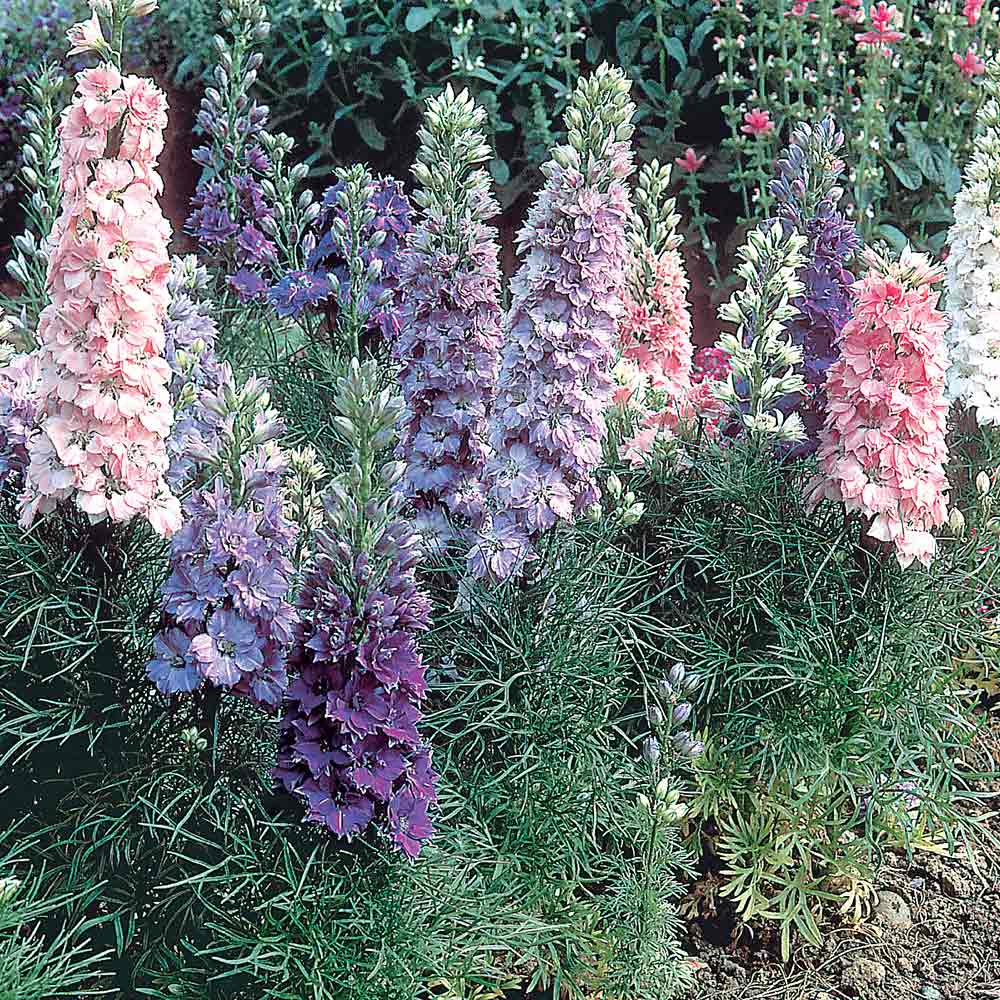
<point x="972" y="10"/>
<point x="883" y="17"/>
<point x="850" y="11"/>
<point x="690" y="162"/>
<point x="757" y="123"/>
<point x="799" y="9"/>
<point x="971" y="65"/>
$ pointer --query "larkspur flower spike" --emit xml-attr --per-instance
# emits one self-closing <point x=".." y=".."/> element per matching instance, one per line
<point x="973" y="270"/>
<point x="104" y="409"/>
<point x="547" y="425"/>
<point x="807" y="195"/>
<point x="449" y="286"/>
<point x="882" y="449"/>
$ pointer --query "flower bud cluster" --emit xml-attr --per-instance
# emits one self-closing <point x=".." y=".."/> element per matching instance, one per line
<point x="762" y="359"/>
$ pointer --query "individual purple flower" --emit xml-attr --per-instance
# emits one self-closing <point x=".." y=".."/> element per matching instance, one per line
<point x="449" y="316"/>
<point x="172" y="668"/>
<point x="547" y="424"/>
<point x="248" y="285"/>
<point x="807" y="197"/>
<point x="298" y="290"/>
<point x="229" y="649"/>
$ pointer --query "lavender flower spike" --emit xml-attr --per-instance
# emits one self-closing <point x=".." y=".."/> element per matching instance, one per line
<point x="449" y="287"/>
<point x="547" y="425"/>
<point x="806" y="195"/>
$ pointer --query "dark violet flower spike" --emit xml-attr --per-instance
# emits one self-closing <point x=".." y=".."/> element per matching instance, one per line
<point x="807" y="198"/>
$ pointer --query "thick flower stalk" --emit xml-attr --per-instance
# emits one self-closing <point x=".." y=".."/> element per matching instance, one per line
<point x="973" y="270"/>
<point x="104" y="409"/>
<point x="227" y="621"/>
<point x="763" y="360"/>
<point x="882" y="449"/>
<point x="350" y="747"/>
<point x="449" y="289"/>
<point x="806" y="195"/>
<point x="547" y="426"/>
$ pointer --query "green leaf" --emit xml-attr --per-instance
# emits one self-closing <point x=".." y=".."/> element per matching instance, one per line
<point x="499" y="170"/>
<point x="701" y="33"/>
<point x="369" y="132"/>
<point x="317" y="74"/>
<point x="675" y="47"/>
<point x="419" y="17"/>
<point x="908" y="172"/>
<point x="592" y="50"/>
<point x="896" y="238"/>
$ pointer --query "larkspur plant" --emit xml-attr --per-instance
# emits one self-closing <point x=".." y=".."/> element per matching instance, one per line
<point x="806" y="196"/>
<point x="368" y="226"/>
<point x="882" y="448"/>
<point x="104" y="409"/>
<point x="190" y="350"/>
<point x="762" y="358"/>
<point x="560" y="336"/>
<point x="655" y="329"/>
<point x="227" y="619"/>
<point x="973" y="271"/>
<point x="450" y="335"/>
<point x="350" y="747"/>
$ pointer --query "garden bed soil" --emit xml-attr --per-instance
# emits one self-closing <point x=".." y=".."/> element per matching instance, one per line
<point x="934" y="934"/>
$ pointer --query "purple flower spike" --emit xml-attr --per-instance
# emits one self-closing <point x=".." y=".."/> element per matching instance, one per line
<point x="449" y="341"/>
<point x="547" y="424"/>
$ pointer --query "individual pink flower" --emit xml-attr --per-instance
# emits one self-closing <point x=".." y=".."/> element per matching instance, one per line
<point x="104" y="410"/>
<point x="971" y="65"/>
<point x="800" y="8"/>
<point x="87" y="36"/>
<point x="972" y="10"/>
<point x="882" y="449"/>
<point x="690" y="162"/>
<point x="883" y="16"/>
<point x="757" y="122"/>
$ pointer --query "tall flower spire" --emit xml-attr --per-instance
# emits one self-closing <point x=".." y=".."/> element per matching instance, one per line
<point x="449" y="289"/>
<point x="806" y="196"/>
<point x="104" y="409"/>
<point x="762" y="358"/>
<point x="973" y="270"/>
<point x="882" y="449"/>
<point x="547" y="426"/>
<point x="350" y="747"/>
